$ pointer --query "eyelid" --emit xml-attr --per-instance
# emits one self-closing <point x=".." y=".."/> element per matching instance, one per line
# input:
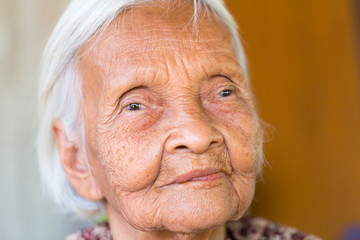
<point x="226" y="81"/>
<point x="224" y="87"/>
<point x="126" y="93"/>
<point x="126" y="101"/>
<point x="223" y="76"/>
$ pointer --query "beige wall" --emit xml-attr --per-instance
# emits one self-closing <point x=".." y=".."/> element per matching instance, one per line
<point x="302" y="62"/>
<point x="25" y="212"/>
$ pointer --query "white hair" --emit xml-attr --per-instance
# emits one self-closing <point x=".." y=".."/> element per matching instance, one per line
<point x="60" y="90"/>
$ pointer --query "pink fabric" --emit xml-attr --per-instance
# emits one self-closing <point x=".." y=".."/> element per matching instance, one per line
<point x="248" y="227"/>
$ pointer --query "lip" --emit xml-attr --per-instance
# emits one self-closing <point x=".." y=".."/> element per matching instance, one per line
<point x="199" y="175"/>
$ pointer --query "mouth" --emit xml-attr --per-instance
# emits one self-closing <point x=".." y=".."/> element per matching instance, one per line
<point x="200" y="175"/>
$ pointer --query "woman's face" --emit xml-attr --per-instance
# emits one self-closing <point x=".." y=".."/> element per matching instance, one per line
<point x="171" y="132"/>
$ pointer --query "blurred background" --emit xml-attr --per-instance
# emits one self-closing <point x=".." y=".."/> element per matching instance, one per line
<point x="304" y="68"/>
<point x="305" y="72"/>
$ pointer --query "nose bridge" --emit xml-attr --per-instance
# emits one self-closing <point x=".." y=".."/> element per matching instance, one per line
<point x="192" y="129"/>
<point x="192" y="111"/>
<point x="194" y="121"/>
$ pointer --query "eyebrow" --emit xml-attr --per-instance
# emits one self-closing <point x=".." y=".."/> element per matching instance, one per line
<point x="232" y="70"/>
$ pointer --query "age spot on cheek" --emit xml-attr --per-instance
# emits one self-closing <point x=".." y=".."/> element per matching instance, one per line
<point x="145" y="122"/>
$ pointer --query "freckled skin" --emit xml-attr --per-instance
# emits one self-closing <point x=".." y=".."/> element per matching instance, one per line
<point x="155" y="58"/>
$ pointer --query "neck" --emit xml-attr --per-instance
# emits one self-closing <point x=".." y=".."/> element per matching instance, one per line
<point x="120" y="229"/>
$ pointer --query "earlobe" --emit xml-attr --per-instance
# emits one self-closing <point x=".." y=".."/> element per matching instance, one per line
<point x="74" y="163"/>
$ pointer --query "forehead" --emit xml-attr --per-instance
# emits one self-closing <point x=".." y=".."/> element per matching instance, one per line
<point x="149" y="34"/>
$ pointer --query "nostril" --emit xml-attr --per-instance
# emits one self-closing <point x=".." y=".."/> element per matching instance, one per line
<point x="181" y="147"/>
<point x="217" y="140"/>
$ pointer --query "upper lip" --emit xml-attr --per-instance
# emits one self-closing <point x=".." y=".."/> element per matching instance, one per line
<point x="196" y="173"/>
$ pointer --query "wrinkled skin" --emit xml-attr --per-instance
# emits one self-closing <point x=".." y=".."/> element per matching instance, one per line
<point x="161" y="99"/>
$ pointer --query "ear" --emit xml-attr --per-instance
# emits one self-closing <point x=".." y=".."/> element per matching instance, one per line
<point x="74" y="164"/>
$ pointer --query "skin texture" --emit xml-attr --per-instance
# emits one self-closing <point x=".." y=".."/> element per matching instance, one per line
<point x="162" y="99"/>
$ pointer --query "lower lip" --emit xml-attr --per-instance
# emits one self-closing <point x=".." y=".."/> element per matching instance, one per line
<point x="208" y="178"/>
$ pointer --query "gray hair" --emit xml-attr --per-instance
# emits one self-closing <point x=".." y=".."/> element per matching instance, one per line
<point x="60" y="91"/>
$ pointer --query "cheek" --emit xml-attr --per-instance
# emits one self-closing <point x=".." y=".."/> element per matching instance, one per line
<point x="131" y="162"/>
<point x="242" y="141"/>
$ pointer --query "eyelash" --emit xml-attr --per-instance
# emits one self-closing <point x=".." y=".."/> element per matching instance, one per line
<point x="131" y="106"/>
<point x="226" y="93"/>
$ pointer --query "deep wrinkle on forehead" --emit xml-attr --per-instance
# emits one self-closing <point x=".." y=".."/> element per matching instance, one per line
<point x="128" y="38"/>
<point x="139" y="50"/>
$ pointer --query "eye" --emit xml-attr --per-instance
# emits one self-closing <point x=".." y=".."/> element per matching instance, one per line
<point x="134" y="107"/>
<point x="225" y="93"/>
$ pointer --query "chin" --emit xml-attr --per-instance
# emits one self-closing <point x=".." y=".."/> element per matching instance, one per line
<point x="200" y="212"/>
<point x="198" y="222"/>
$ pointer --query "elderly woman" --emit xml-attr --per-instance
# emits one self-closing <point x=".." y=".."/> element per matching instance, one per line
<point x="147" y="116"/>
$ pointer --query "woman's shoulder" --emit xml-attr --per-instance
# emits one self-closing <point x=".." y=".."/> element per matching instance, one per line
<point x="250" y="227"/>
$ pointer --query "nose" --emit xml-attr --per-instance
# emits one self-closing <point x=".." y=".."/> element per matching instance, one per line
<point x="192" y="131"/>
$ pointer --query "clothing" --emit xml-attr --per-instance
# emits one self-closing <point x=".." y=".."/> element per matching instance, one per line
<point x="247" y="228"/>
